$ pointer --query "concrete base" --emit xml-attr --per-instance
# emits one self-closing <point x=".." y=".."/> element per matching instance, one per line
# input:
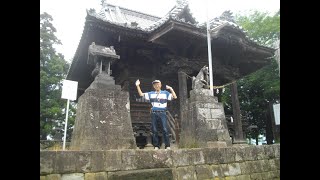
<point x="239" y="142"/>
<point x="217" y="144"/>
<point x="206" y="124"/>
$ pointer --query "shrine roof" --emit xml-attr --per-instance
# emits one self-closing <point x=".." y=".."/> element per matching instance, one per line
<point x="132" y="19"/>
<point x="124" y="17"/>
<point x="175" y="23"/>
<point x="146" y="23"/>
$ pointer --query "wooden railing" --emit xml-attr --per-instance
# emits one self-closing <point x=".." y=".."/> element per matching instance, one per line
<point x="173" y="126"/>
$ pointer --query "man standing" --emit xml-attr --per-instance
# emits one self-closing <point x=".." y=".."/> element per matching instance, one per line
<point x="158" y="99"/>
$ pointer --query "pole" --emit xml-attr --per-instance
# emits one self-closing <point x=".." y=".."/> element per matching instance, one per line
<point x="209" y="52"/>
<point x="65" y="126"/>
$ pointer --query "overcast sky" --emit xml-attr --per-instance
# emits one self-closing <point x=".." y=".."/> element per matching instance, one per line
<point x="69" y="15"/>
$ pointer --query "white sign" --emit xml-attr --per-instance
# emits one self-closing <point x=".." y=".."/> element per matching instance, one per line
<point x="69" y="90"/>
<point x="276" y="111"/>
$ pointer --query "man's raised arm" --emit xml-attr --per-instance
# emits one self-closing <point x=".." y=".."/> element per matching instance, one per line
<point x="172" y="91"/>
<point x="138" y="87"/>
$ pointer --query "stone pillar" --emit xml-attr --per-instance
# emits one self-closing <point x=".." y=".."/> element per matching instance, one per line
<point x="103" y="118"/>
<point x="183" y="95"/>
<point x="208" y="125"/>
<point x="238" y="132"/>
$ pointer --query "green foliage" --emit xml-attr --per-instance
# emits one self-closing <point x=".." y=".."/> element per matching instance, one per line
<point x="53" y="69"/>
<point x="255" y="93"/>
<point x="256" y="90"/>
<point x="261" y="27"/>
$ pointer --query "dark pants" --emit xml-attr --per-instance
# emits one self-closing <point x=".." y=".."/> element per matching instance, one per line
<point x="155" y="117"/>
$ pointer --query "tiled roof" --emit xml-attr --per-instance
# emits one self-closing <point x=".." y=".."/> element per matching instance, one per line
<point x="172" y="14"/>
<point x="137" y="20"/>
<point x="147" y="23"/>
<point x="125" y="17"/>
<point x="226" y="19"/>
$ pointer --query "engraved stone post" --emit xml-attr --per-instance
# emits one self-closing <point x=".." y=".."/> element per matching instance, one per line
<point x="183" y="96"/>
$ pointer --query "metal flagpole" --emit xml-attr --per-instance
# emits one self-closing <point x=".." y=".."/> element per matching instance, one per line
<point x="65" y="127"/>
<point x="209" y="52"/>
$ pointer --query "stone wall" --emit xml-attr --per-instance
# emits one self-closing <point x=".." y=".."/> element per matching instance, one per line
<point x="233" y="162"/>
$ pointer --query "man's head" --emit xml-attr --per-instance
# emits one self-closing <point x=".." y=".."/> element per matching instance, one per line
<point x="156" y="85"/>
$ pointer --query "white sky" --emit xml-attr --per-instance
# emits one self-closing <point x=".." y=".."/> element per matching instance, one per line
<point x="69" y="15"/>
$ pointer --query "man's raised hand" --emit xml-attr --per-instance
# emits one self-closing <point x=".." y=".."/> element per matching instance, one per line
<point x="138" y="82"/>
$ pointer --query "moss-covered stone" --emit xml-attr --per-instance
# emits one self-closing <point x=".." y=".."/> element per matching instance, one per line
<point x="72" y="176"/>
<point x="96" y="176"/>
<point x="204" y="172"/>
<point x="47" y="162"/>
<point x="113" y="161"/>
<point x="54" y="177"/>
<point x="156" y="174"/>
<point x="187" y="173"/>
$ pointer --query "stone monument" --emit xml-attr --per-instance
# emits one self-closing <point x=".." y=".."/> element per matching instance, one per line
<point x="103" y="118"/>
<point x="206" y="123"/>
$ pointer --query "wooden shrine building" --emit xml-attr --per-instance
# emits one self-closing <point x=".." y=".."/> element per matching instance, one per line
<point x="153" y="47"/>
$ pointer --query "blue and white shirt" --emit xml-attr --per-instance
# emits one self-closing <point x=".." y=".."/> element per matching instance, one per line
<point x="158" y="100"/>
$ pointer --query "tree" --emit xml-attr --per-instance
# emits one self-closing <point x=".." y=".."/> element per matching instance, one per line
<point x="260" y="88"/>
<point x="260" y="26"/>
<point x="257" y="91"/>
<point x="53" y="68"/>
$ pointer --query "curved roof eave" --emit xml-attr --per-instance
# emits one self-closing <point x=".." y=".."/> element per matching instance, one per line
<point x="76" y="55"/>
<point x="216" y="28"/>
<point x="247" y="40"/>
<point x="95" y="16"/>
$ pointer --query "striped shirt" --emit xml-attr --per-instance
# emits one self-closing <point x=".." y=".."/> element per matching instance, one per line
<point x="158" y="100"/>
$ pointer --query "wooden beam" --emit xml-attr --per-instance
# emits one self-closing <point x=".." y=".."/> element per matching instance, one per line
<point x="190" y="31"/>
<point x="161" y="33"/>
<point x="238" y="132"/>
